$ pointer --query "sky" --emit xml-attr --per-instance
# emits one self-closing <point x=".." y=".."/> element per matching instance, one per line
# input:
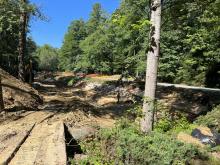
<point x="60" y="13"/>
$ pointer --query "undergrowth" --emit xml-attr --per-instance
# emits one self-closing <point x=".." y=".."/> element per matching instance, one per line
<point x="125" y="144"/>
<point x="211" y="119"/>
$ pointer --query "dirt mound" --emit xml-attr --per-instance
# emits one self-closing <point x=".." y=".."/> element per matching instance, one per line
<point x="18" y="95"/>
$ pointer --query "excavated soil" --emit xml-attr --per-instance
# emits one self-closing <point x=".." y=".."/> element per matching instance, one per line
<point x="17" y="95"/>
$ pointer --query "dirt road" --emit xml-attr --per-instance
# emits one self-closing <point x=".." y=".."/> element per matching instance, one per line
<point x="39" y="137"/>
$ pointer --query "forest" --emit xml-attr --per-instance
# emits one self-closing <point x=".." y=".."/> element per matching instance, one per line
<point x="117" y="43"/>
<point x="106" y="73"/>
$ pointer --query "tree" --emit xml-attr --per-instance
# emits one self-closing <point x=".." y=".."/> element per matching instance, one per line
<point x="9" y="25"/>
<point x="152" y="67"/>
<point x="47" y="57"/>
<point x="70" y="51"/>
<point x="97" y="52"/>
<point x="96" y="18"/>
<point x="189" y="51"/>
<point x="11" y="18"/>
<point x="30" y="61"/>
<point x="22" y="40"/>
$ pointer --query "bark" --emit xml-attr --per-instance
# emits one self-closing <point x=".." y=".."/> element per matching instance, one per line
<point x="22" y="43"/>
<point x="31" y="72"/>
<point x="152" y="67"/>
<point x="1" y="96"/>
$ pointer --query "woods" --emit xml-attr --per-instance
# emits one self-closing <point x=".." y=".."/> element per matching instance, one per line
<point x="118" y="43"/>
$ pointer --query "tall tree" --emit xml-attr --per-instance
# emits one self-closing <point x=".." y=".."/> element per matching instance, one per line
<point x="70" y="50"/>
<point x="22" y="40"/>
<point x="96" y="18"/>
<point x="152" y="67"/>
<point x="9" y="25"/>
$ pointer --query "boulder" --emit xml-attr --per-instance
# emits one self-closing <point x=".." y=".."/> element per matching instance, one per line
<point x="201" y="136"/>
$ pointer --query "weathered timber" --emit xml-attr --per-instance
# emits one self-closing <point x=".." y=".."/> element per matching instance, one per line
<point x="11" y="143"/>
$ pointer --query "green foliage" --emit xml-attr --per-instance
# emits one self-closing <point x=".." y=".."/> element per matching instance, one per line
<point x="9" y="29"/>
<point x="97" y="18"/>
<point x="125" y="144"/>
<point x="118" y="44"/>
<point x="72" y="81"/>
<point x="97" y="52"/>
<point x="9" y="25"/>
<point x="113" y="45"/>
<point x="164" y="122"/>
<point x="70" y="52"/>
<point x="166" y="125"/>
<point x="190" y="51"/>
<point x="199" y="41"/>
<point x="47" y="58"/>
<point x="211" y="119"/>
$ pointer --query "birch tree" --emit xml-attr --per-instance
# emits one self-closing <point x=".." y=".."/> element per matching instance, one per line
<point x="152" y="67"/>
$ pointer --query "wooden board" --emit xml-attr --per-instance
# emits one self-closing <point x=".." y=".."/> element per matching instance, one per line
<point x="45" y="145"/>
<point x="11" y="140"/>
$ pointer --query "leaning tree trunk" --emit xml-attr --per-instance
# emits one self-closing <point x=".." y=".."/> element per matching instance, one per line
<point x="22" y="42"/>
<point x="152" y="67"/>
<point x="1" y="96"/>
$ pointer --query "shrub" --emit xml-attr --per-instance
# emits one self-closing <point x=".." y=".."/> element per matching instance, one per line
<point x="125" y="144"/>
<point x="174" y="127"/>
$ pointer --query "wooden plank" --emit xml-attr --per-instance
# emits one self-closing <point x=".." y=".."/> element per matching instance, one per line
<point x="11" y="142"/>
<point x="53" y="151"/>
<point x="45" y="145"/>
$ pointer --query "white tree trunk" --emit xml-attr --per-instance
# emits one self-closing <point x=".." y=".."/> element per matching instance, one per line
<point x="152" y="67"/>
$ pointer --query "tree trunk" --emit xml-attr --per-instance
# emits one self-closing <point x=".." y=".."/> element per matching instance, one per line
<point x="1" y="96"/>
<point x="152" y="67"/>
<point x="22" y="43"/>
<point x="31" y="72"/>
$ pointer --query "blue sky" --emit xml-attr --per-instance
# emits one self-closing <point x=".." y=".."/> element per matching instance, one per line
<point x="60" y="14"/>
